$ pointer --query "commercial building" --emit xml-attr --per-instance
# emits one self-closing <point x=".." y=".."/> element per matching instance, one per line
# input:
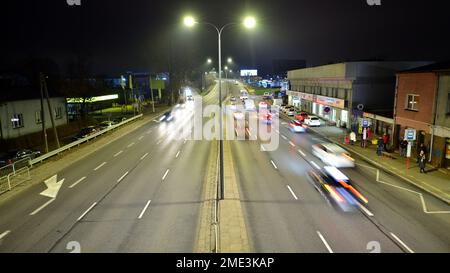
<point x="346" y="93"/>
<point x="422" y="102"/>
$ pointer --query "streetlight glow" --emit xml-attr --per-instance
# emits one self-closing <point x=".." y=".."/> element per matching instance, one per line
<point x="209" y="61"/>
<point x="189" y="21"/>
<point x="230" y="60"/>
<point x="249" y="22"/>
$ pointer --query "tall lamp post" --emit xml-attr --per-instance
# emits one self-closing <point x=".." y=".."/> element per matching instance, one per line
<point x="249" y="22"/>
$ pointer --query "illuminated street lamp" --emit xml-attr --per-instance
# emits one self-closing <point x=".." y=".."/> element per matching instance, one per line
<point x="230" y="60"/>
<point x="249" y="23"/>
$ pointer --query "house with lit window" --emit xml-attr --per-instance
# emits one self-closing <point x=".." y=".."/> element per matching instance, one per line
<point x="20" y="108"/>
<point x="422" y="102"/>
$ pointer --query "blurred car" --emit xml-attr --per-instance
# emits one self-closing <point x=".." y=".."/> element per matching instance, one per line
<point x="312" y="121"/>
<point x="105" y="124"/>
<point x="119" y="119"/>
<point x="262" y="105"/>
<point x="232" y="98"/>
<point x="167" y="116"/>
<point x="291" y="112"/>
<point x="301" y="116"/>
<point x="296" y="126"/>
<point x="85" y="132"/>
<point x="190" y="98"/>
<point x="333" y="155"/>
<point x="266" y="117"/>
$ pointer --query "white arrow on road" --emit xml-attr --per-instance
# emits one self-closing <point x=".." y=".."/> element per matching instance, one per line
<point x="53" y="186"/>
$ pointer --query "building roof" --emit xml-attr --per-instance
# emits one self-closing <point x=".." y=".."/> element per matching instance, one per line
<point x="435" y="67"/>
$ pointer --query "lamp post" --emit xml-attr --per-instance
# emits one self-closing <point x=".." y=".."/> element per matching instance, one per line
<point x="249" y="22"/>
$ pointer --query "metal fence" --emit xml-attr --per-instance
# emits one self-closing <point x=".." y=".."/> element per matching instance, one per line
<point x="18" y="172"/>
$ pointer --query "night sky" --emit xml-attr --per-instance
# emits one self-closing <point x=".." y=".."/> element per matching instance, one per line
<point x="124" y="35"/>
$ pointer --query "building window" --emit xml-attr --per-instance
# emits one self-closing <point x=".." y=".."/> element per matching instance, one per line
<point x="17" y="121"/>
<point x="38" y="117"/>
<point x="58" y="112"/>
<point x="412" y="102"/>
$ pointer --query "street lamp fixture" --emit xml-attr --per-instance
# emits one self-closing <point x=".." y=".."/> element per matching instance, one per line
<point x="249" y="22"/>
<point x="230" y="60"/>
<point x="189" y="21"/>
<point x="209" y="61"/>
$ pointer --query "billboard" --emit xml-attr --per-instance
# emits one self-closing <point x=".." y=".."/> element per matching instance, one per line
<point x="249" y="72"/>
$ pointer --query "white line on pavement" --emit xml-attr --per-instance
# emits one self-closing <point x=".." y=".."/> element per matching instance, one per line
<point x="284" y="137"/>
<point x="324" y="242"/>
<point x="292" y="192"/>
<point x="292" y="143"/>
<point x="273" y="163"/>
<point x="131" y="144"/>
<point x="159" y="141"/>
<point x="3" y="235"/>
<point x="118" y="153"/>
<point x="144" y="156"/>
<point x="99" y="166"/>
<point x="122" y="177"/>
<point x="366" y="211"/>
<point x="185" y="141"/>
<point x="301" y="152"/>
<point x="87" y="211"/>
<point x="43" y="206"/>
<point x="315" y="165"/>
<point x="178" y="153"/>
<point x="277" y="131"/>
<point x="141" y="137"/>
<point x="402" y="243"/>
<point x="165" y="174"/>
<point x="145" y="208"/>
<point x="78" y="181"/>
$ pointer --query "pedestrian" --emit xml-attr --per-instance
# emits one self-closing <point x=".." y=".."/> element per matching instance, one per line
<point x="422" y="149"/>
<point x="403" y="147"/>
<point x="422" y="162"/>
<point x="380" y="146"/>
<point x="363" y="138"/>
<point x="369" y="134"/>
<point x="352" y="138"/>
<point x="385" y="141"/>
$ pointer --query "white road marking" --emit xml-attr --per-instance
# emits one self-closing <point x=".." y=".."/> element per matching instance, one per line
<point x="366" y="211"/>
<point x="165" y="174"/>
<point x="87" y="211"/>
<point x="145" y="208"/>
<point x="131" y="144"/>
<point x="78" y="181"/>
<point x="315" y="165"/>
<point x="118" y="153"/>
<point x="402" y="243"/>
<point x="277" y="131"/>
<point x="144" y="156"/>
<point x="325" y="242"/>
<point x="42" y="207"/>
<point x="301" y="152"/>
<point x="159" y="142"/>
<point x="284" y="137"/>
<point x="292" y="192"/>
<point x="273" y="163"/>
<point x="141" y="137"/>
<point x="122" y="177"/>
<point x="3" y="235"/>
<point x="292" y="143"/>
<point x="99" y="166"/>
<point x="178" y="153"/>
<point x="185" y="141"/>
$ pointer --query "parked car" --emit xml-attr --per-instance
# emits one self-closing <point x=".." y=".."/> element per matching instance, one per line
<point x="291" y="112"/>
<point x="333" y="155"/>
<point x="119" y="120"/>
<point x="105" y="124"/>
<point x="232" y="98"/>
<point x="16" y="155"/>
<point x="301" y="116"/>
<point x="85" y="132"/>
<point x="312" y="121"/>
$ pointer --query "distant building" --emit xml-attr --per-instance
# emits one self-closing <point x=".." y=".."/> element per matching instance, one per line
<point x="422" y="103"/>
<point x="343" y="92"/>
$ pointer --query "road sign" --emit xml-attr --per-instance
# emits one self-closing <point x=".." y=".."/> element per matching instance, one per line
<point x="365" y="122"/>
<point x="360" y="107"/>
<point x="410" y="134"/>
<point x="326" y="109"/>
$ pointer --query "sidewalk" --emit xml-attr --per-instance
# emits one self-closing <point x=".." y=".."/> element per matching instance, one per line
<point x="434" y="181"/>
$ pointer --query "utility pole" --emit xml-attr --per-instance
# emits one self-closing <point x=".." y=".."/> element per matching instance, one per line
<point x="151" y="92"/>
<point x="44" y="131"/>
<point x="132" y="94"/>
<point x="50" y="110"/>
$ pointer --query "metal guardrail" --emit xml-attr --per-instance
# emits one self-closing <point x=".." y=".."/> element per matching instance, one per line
<point x="10" y="181"/>
<point x="80" y="141"/>
<point x="215" y="220"/>
<point x="11" y="168"/>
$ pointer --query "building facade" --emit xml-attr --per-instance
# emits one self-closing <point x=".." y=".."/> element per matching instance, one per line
<point x="423" y="103"/>
<point x="23" y="117"/>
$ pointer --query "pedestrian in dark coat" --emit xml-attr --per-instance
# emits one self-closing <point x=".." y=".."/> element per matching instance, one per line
<point x="380" y="146"/>
<point x="422" y="162"/>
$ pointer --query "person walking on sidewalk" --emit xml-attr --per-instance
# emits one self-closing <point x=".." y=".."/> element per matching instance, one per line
<point x="352" y="138"/>
<point x="422" y="149"/>
<point x="380" y="146"/>
<point x="422" y="162"/>
<point x="364" y="138"/>
<point x="403" y="147"/>
<point x="369" y="134"/>
<point x="385" y="141"/>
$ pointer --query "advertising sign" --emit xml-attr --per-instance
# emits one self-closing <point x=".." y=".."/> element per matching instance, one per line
<point x="249" y="72"/>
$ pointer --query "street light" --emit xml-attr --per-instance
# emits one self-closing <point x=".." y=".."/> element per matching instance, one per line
<point x="209" y="61"/>
<point x="230" y="60"/>
<point x="249" y="23"/>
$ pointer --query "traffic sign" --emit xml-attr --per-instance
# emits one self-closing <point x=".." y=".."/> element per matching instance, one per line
<point x="410" y="134"/>
<point x="326" y="109"/>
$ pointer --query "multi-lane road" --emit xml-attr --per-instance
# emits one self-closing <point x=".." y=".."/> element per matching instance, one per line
<point x="142" y="193"/>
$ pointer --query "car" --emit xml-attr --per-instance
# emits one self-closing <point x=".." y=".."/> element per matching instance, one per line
<point x="262" y="105"/>
<point x="333" y="155"/>
<point x="190" y="98"/>
<point x="105" y="124"/>
<point x="301" y="116"/>
<point x="312" y="121"/>
<point x="119" y="119"/>
<point x="232" y="98"/>
<point x="291" y="112"/>
<point x="243" y="96"/>
<point x="288" y="108"/>
<point x="85" y="132"/>
<point x="266" y="117"/>
<point x="167" y="117"/>
<point x="12" y="156"/>
<point x="296" y="126"/>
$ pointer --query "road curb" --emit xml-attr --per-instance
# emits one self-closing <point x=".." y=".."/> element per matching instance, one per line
<point x="376" y="164"/>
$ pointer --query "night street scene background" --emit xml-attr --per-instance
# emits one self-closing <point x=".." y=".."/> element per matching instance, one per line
<point x="247" y="126"/>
